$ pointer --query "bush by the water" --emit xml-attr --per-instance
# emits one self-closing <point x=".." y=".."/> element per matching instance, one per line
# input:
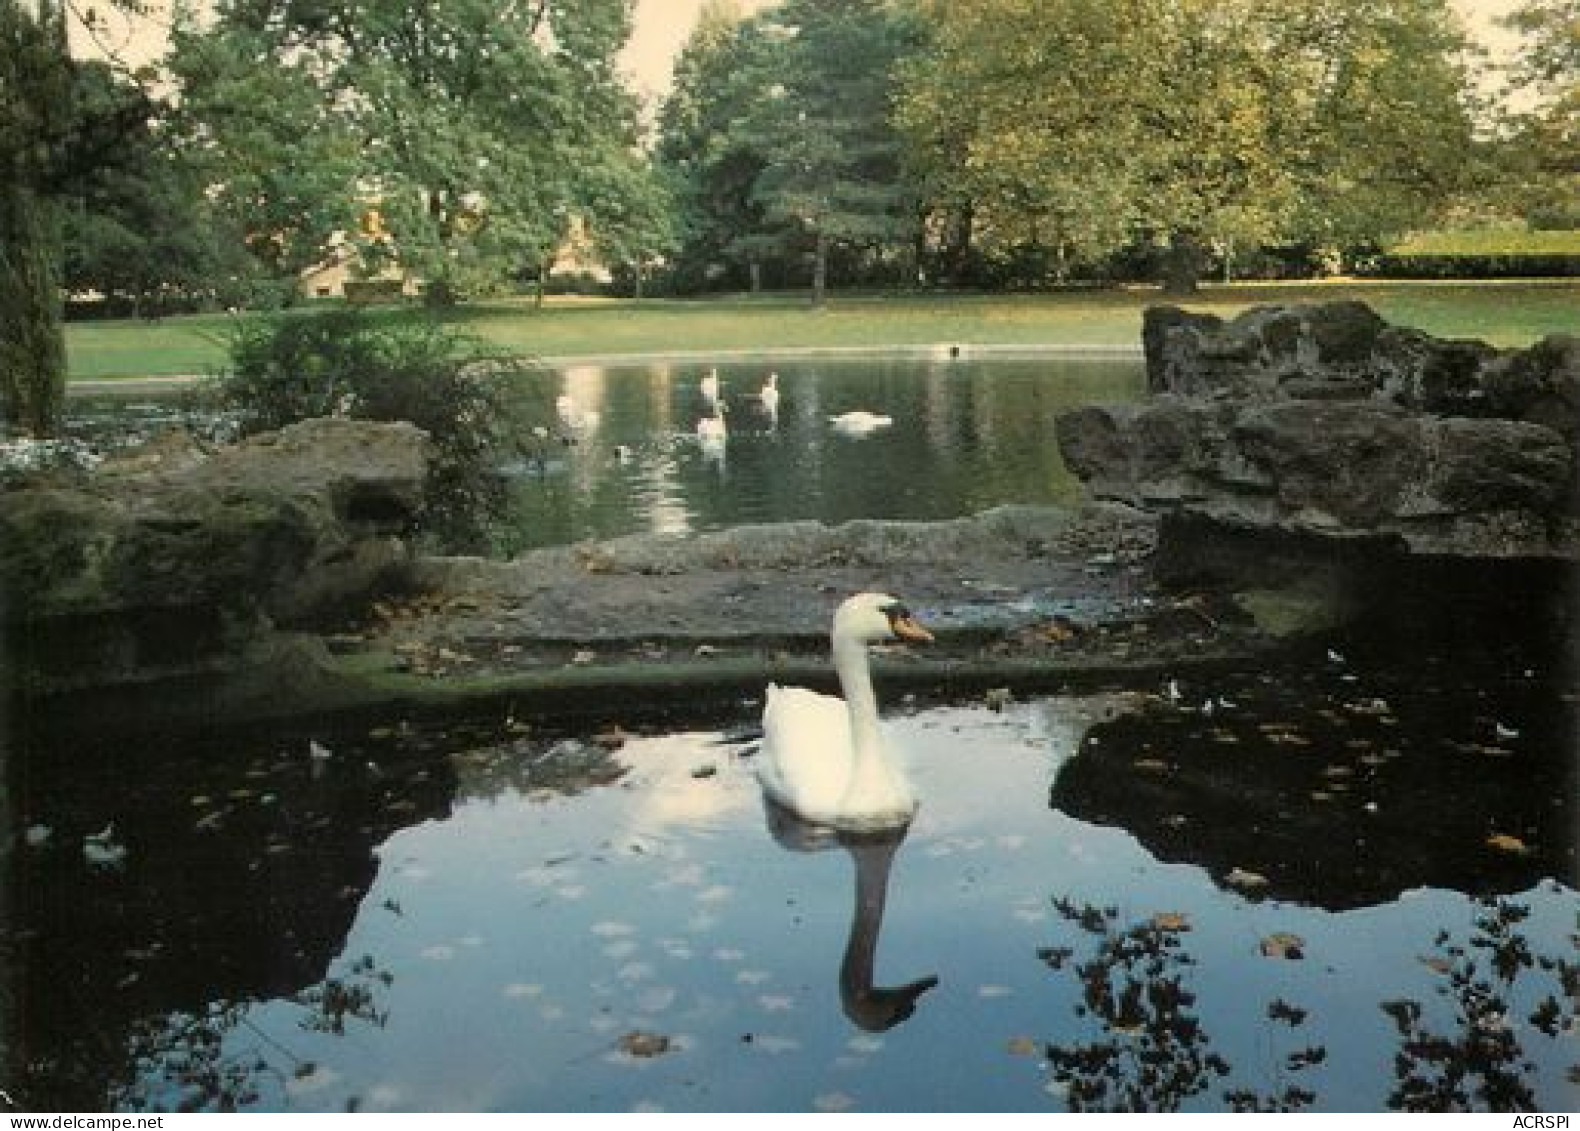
<point x="349" y="363"/>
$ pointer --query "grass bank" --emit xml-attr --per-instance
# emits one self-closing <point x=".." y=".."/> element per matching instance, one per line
<point x="1505" y="313"/>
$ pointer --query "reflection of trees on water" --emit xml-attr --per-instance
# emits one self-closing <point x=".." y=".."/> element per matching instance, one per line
<point x="1147" y="1049"/>
<point x="218" y="1061"/>
<point x="1479" y="1063"/>
<point x="1151" y="1052"/>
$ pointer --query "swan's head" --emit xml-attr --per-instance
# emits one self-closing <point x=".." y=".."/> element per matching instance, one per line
<point x="874" y="618"/>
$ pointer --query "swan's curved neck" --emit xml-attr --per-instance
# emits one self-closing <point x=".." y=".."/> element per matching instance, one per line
<point x="855" y="680"/>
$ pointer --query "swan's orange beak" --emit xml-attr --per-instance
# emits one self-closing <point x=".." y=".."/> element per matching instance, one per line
<point x="906" y="627"/>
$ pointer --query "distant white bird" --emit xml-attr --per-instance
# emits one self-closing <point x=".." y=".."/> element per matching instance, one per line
<point x="1335" y="657"/>
<point x="710" y="386"/>
<point x="1504" y="732"/>
<point x="102" y="850"/>
<point x="860" y="422"/>
<point x="769" y="394"/>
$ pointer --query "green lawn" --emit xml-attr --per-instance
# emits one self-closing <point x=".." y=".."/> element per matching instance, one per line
<point x="1489" y="241"/>
<point x="1504" y="313"/>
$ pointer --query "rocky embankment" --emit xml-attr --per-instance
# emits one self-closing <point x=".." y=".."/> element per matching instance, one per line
<point x="1320" y="447"/>
<point x="167" y="574"/>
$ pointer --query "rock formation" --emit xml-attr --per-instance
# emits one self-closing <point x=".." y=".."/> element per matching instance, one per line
<point x="1326" y="421"/>
<point x="174" y="557"/>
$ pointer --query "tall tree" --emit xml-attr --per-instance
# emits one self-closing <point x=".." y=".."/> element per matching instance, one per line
<point x="35" y="124"/>
<point x="778" y="135"/>
<point x="1091" y="123"/>
<point x="1541" y="147"/>
<point x="833" y="173"/>
<point x="705" y="156"/>
<point x="59" y="138"/>
<point x="454" y="139"/>
<point x="142" y="231"/>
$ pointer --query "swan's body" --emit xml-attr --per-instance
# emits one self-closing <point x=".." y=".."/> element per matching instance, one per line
<point x="860" y="422"/>
<point x="823" y="757"/>
<point x="769" y="394"/>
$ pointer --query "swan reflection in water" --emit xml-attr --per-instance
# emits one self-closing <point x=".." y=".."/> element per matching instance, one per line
<point x="870" y="1007"/>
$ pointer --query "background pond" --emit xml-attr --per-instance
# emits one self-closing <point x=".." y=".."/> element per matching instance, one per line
<point x="965" y="436"/>
<point x="1372" y="918"/>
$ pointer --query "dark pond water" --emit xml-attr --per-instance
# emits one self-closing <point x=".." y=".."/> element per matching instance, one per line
<point x="964" y="436"/>
<point x="1346" y="883"/>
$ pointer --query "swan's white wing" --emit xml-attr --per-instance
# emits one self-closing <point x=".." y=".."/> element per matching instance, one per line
<point x="805" y="758"/>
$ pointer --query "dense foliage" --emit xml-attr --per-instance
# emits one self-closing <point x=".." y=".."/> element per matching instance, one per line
<point x="463" y="145"/>
<point x="1083" y="127"/>
<point x="344" y="362"/>
<point x="453" y="141"/>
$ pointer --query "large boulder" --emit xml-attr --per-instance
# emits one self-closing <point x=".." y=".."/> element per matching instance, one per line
<point x="175" y="555"/>
<point x="1324" y="420"/>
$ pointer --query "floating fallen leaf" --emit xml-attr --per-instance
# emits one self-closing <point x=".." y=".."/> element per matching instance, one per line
<point x="1244" y="880"/>
<point x="1023" y="1046"/>
<point x="1059" y="629"/>
<point x="1437" y="965"/>
<point x="639" y="1043"/>
<point x="1150" y="765"/>
<point x="1282" y="944"/>
<point x="1503" y="842"/>
<point x="1171" y="921"/>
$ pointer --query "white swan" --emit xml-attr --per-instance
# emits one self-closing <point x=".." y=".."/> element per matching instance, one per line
<point x="769" y="394"/>
<point x="710" y="386"/>
<point x="860" y="422"/>
<point x="824" y="758"/>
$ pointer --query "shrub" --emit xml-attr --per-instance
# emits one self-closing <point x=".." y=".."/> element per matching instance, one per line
<point x="344" y="362"/>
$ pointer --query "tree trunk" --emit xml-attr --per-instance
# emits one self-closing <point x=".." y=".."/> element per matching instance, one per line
<point x="545" y="265"/>
<point x="1182" y="267"/>
<point x="820" y="271"/>
<point x="957" y="250"/>
<point x="32" y="332"/>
